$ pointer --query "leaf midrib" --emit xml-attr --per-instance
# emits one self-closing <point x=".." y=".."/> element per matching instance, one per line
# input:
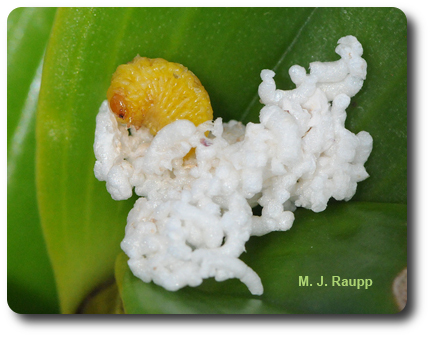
<point x="275" y="67"/>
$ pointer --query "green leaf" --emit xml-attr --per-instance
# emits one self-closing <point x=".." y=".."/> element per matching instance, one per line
<point x="30" y="281"/>
<point x="103" y="300"/>
<point x="226" y="48"/>
<point x="344" y="241"/>
<point x="141" y="298"/>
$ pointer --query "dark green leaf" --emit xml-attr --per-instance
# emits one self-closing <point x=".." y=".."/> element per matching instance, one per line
<point x="353" y="241"/>
<point x="141" y="298"/>
<point x="226" y="48"/>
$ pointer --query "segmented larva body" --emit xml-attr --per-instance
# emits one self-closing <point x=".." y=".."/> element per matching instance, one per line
<point x="155" y="92"/>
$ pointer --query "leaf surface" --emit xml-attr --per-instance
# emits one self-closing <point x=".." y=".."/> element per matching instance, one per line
<point x="353" y="242"/>
<point x="30" y="281"/>
<point x="226" y="49"/>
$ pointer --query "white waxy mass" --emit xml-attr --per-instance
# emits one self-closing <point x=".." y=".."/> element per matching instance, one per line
<point x="195" y="216"/>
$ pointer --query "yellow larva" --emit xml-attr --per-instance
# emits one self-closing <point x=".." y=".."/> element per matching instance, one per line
<point x="155" y="92"/>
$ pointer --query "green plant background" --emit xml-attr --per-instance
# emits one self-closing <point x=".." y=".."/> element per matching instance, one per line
<point x="64" y="229"/>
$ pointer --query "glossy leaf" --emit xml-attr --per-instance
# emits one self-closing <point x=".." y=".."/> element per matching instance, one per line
<point x="351" y="241"/>
<point x="226" y="48"/>
<point x="30" y="281"/>
<point x="141" y="298"/>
